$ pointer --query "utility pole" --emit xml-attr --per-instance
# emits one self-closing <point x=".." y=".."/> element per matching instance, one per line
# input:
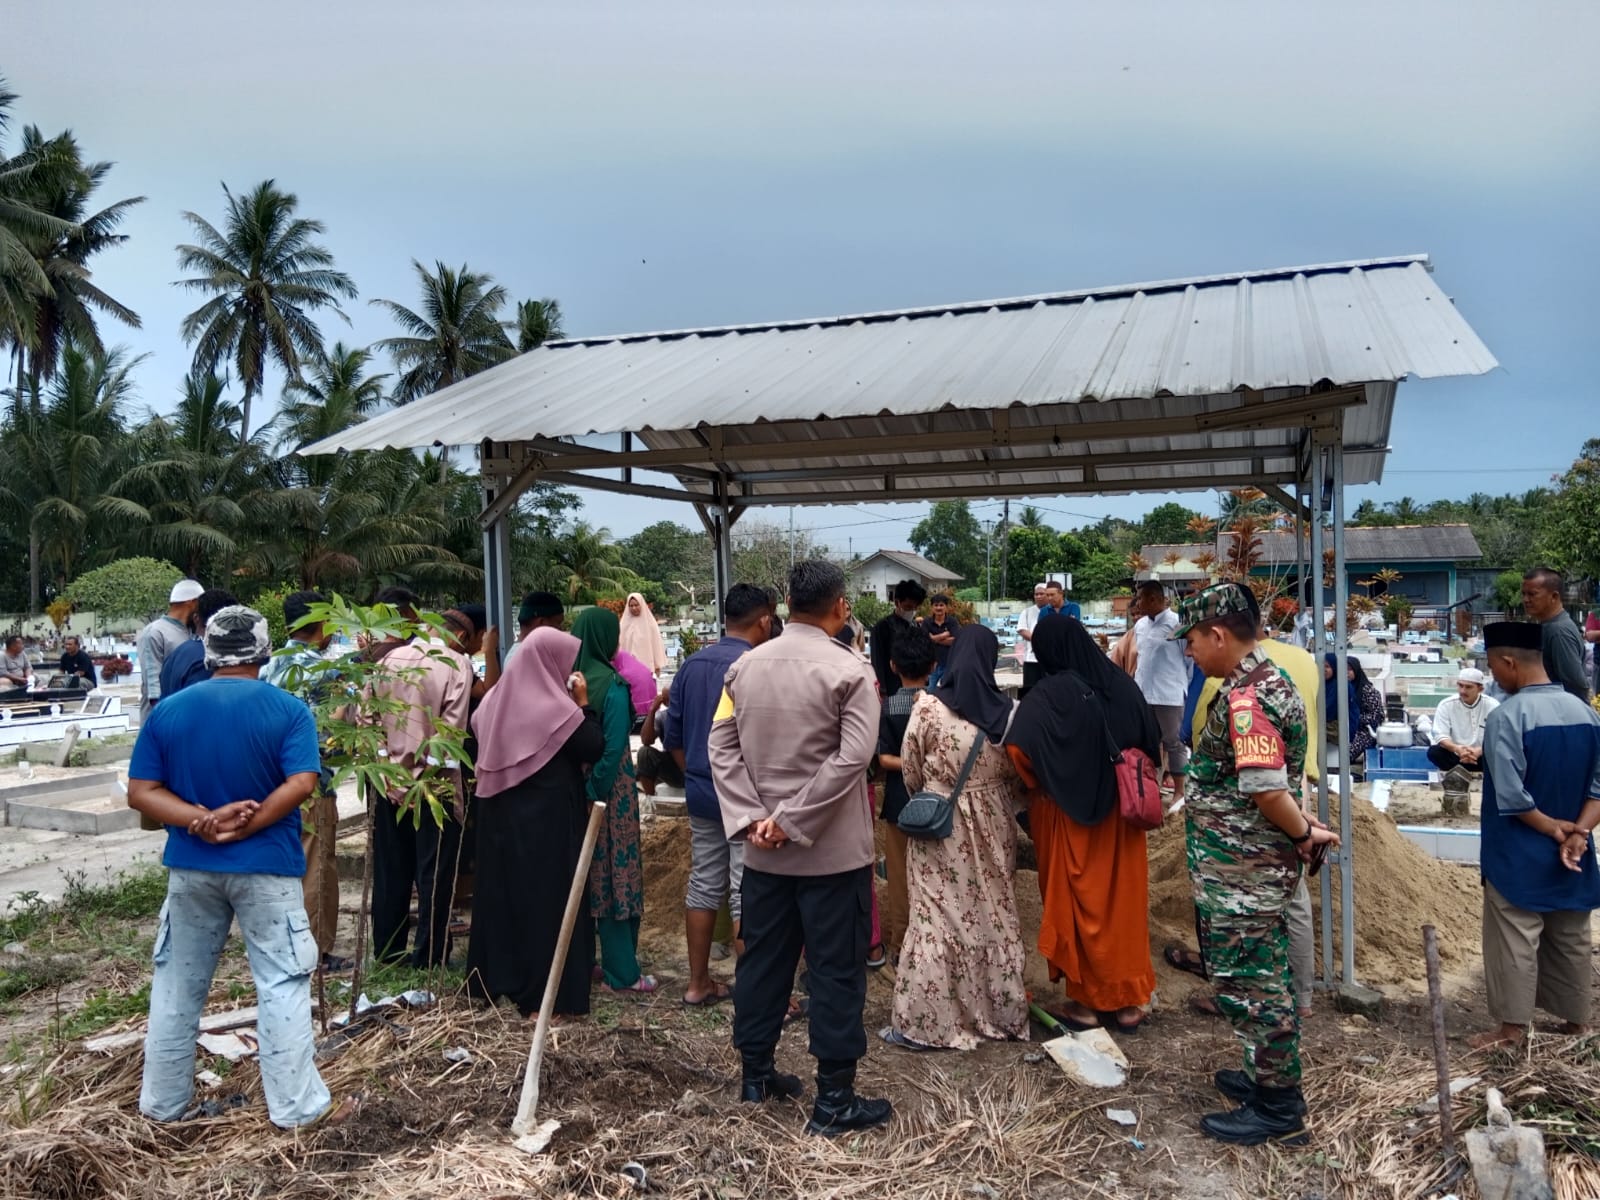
<point x="791" y="537"/>
<point x="1005" y="548"/>
<point x="988" y="575"/>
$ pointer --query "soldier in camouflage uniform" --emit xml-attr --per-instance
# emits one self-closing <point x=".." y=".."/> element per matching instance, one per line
<point x="1247" y="841"/>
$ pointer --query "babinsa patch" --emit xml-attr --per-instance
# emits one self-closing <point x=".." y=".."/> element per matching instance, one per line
<point x="1255" y="743"/>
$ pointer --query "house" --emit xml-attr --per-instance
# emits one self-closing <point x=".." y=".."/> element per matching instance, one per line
<point x="1427" y="558"/>
<point x="877" y="574"/>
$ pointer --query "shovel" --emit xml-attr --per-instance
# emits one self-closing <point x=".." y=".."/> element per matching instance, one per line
<point x="1090" y="1057"/>
<point x="530" y="1138"/>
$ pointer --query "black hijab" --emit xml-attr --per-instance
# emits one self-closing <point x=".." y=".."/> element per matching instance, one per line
<point x="1062" y="723"/>
<point x="968" y="688"/>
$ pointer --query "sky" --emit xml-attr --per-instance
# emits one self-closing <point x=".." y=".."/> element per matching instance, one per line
<point x="658" y="166"/>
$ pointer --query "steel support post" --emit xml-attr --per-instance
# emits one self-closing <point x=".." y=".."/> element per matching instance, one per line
<point x="1347" y="849"/>
<point x="1315" y="493"/>
<point x="497" y="600"/>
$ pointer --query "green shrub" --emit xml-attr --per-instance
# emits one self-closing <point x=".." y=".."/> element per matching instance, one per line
<point x="129" y="587"/>
<point x="270" y="606"/>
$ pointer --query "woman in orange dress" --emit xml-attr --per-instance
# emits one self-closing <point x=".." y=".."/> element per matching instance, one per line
<point x="1093" y="874"/>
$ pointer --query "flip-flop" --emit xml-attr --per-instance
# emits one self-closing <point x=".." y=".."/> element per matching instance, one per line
<point x="1068" y="1021"/>
<point x="643" y="985"/>
<point x="799" y="1010"/>
<point x="334" y="965"/>
<point x="1182" y="959"/>
<point x="878" y="959"/>
<point x="1205" y="1004"/>
<point x="717" y="995"/>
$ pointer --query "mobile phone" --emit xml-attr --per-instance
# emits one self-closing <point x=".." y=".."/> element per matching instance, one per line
<point x="1318" y="856"/>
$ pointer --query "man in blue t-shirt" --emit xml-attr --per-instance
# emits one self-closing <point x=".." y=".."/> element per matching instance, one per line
<point x="225" y="765"/>
<point x="716" y="865"/>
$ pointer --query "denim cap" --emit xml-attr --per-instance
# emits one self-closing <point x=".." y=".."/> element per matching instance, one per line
<point x="1218" y="600"/>
<point x="235" y="636"/>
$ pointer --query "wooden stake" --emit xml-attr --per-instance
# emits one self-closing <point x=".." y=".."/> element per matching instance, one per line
<point x="522" y="1125"/>
<point x="1441" y="1058"/>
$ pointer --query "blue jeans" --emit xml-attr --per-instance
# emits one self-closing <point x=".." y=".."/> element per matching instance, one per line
<point x="193" y="929"/>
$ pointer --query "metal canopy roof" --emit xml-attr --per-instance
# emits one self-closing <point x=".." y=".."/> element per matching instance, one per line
<point x="1185" y="384"/>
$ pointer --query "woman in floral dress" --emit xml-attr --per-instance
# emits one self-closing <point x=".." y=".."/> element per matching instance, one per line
<point x="616" y="880"/>
<point x="959" y="978"/>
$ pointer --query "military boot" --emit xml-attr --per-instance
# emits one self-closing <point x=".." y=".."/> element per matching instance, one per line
<point x="1271" y="1115"/>
<point x="838" y="1109"/>
<point x="763" y="1082"/>
<point x="1235" y="1085"/>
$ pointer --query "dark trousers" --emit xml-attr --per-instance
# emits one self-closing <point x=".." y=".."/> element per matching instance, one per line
<point x="1032" y="672"/>
<point x="1446" y="761"/>
<point x="405" y="855"/>
<point x="830" y="918"/>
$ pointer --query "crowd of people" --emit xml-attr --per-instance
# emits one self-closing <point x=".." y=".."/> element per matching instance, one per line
<point x="789" y="743"/>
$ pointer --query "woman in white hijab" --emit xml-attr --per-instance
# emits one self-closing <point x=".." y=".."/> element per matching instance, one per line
<point x="640" y="636"/>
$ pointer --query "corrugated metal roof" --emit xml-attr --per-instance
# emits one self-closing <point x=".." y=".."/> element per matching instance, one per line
<point x="923" y="568"/>
<point x="1386" y="544"/>
<point x="1142" y="352"/>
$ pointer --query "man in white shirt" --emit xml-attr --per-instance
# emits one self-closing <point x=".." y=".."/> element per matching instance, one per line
<point x="1162" y="673"/>
<point x="1025" y="626"/>
<point x="1457" y="748"/>
<point x="163" y="635"/>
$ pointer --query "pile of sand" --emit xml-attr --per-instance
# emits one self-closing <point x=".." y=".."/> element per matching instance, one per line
<point x="1398" y="889"/>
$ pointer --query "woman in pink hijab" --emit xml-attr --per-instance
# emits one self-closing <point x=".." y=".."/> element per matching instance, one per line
<point x="640" y="636"/>
<point x="536" y="735"/>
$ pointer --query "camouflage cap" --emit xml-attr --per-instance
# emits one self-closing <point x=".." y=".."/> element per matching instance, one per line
<point x="1218" y="600"/>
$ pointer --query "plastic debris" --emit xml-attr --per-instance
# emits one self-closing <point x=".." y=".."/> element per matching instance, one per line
<point x="1136" y="1143"/>
<point x="1122" y="1116"/>
<point x="535" y="1142"/>
<point x="1457" y="1086"/>
<point x="458" y="1054"/>
<point x="635" y="1174"/>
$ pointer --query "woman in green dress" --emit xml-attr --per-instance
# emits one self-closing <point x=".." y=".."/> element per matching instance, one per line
<point x="616" y="879"/>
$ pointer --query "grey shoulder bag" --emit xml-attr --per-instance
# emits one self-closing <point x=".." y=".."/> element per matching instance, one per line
<point x="930" y="815"/>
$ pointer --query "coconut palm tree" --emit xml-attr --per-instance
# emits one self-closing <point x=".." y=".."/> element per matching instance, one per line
<point x="457" y="333"/>
<point x="1030" y="517"/>
<point x="338" y="385"/>
<point x="538" y="322"/>
<point x="59" y="461"/>
<point x="24" y="224"/>
<point x="583" y="557"/>
<point x="66" y="306"/>
<point x="195" y="484"/>
<point x="265" y="275"/>
<point x="1404" y="511"/>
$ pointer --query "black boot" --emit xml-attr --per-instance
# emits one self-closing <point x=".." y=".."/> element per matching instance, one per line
<point x="1235" y="1085"/>
<point x="763" y="1082"/>
<point x="1272" y="1115"/>
<point x="838" y="1109"/>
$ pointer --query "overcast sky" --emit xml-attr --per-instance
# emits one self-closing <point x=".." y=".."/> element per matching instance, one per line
<point x="661" y="166"/>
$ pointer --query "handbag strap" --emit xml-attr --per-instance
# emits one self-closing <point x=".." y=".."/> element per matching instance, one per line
<point x="1093" y="697"/>
<point x="966" y="767"/>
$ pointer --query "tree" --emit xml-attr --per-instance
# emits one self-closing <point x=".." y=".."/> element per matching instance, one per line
<point x="951" y="536"/>
<point x="65" y="306"/>
<point x="192" y="480"/>
<point x="1404" y="511"/>
<point x="1167" y="525"/>
<point x="585" y="561"/>
<point x="128" y="587"/>
<point x="672" y="556"/>
<point x="538" y="322"/>
<point x="1030" y="517"/>
<point x="1570" y="537"/>
<point x="265" y="275"/>
<point x="456" y="334"/>
<point x="24" y="223"/>
<point x="1035" y="550"/>
<point x="58" y="462"/>
<point x="762" y="553"/>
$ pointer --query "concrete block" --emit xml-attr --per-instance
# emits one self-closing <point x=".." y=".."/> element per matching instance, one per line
<point x="1364" y="1001"/>
<point x="85" y="811"/>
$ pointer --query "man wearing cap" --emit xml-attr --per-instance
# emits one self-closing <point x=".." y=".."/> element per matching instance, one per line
<point x="1457" y="748"/>
<point x="1247" y="841"/>
<point x="537" y="609"/>
<point x="1541" y="803"/>
<point x="162" y="636"/>
<point x="231" y="804"/>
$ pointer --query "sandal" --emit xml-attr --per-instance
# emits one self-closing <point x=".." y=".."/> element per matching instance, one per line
<point x="799" y="1010"/>
<point x="332" y="964"/>
<point x="1068" y="1021"/>
<point x="643" y="985"/>
<point x="894" y="1037"/>
<point x="337" y="1112"/>
<point x="877" y="956"/>
<point x="717" y="995"/>
<point x="1182" y="959"/>
<point x="1205" y="1004"/>
<point x="1114" y="1023"/>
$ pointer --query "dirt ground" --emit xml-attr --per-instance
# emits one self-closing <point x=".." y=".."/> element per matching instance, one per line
<point x="651" y="1086"/>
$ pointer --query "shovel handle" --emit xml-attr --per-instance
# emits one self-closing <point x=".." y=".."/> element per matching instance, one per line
<point x="1045" y="1019"/>
<point x="522" y="1124"/>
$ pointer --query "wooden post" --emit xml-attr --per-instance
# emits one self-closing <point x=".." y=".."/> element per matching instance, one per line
<point x="1441" y="1058"/>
